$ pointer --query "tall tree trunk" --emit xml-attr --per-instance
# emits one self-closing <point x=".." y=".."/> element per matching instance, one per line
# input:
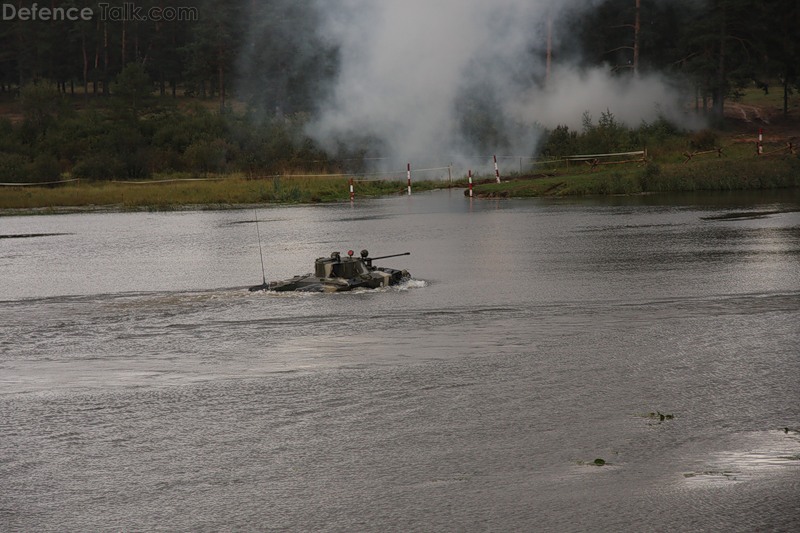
<point x="720" y="85"/>
<point x="85" y="66"/>
<point x="124" y="47"/>
<point x="636" y="27"/>
<point x="105" y="58"/>
<point x="221" y="83"/>
<point x="96" y="62"/>
<point x="549" y="49"/>
<point x="786" y="89"/>
<point x="21" y="50"/>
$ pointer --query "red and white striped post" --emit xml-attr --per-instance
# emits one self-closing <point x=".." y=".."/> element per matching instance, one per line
<point x="408" y="175"/>
<point x="352" y="192"/>
<point x="470" y="183"/>
<point x="496" y="170"/>
<point x="760" y="147"/>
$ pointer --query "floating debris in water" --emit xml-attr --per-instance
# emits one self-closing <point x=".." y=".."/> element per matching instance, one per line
<point x="658" y="415"/>
<point x="597" y="462"/>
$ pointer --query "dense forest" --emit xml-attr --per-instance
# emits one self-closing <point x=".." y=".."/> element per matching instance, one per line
<point x="219" y="86"/>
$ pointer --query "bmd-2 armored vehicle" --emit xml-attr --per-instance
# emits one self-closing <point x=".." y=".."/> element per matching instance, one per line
<point x="337" y="273"/>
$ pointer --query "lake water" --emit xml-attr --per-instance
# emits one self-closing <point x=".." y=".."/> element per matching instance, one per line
<point x="142" y="387"/>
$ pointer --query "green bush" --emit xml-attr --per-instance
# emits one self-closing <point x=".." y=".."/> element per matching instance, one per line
<point x="10" y="141"/>
<point x="659" y="131"/>
<point x="45" y="168"/>
<point x="13" y="167"/>
<point x="6" y="128"/>
<point x="177" y="131"/>
<point x="648" y="177"/>
<point x="166" y="160"/>
<point x="99" y="167"/>
<point x="607" y="136"/>
<point x="208" y="156"/>
<point x="74" y="137"/>
<point x="41" y="105"/>
<point x="136" y="164"/>
<point x="560" y="142"/>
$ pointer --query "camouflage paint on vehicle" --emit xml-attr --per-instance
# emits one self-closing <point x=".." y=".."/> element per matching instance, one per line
<point x="337" y="274"/>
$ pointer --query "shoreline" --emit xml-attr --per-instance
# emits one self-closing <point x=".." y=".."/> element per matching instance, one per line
<point x="234" y="192"/>
<point x="652" y="177"/>
<point x="119" y="209"/>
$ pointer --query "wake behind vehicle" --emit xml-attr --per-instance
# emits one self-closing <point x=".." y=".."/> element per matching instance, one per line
<point x="337" y="274"/>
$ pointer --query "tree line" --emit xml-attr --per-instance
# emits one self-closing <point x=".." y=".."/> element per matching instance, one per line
<point x="196" y="51"/>
<point x="719" y="46"/>
<point x="135" y="75"/>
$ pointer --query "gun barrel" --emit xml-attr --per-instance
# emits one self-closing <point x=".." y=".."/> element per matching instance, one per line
<point x="388" y="256"/>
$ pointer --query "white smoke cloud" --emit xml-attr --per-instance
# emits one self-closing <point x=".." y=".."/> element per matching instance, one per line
<point x="573" y="92"/>
<point x="407" y="65"/>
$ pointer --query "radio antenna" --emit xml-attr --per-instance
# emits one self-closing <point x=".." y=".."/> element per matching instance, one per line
<point x="260" y="251"/>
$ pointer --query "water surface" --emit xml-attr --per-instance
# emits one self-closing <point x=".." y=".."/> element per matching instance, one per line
<point x="143" y="387"/>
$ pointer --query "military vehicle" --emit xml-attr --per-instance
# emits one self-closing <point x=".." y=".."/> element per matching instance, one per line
<point x="337" y="273"/>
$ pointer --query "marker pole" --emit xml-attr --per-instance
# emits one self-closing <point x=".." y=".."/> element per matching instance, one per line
<point x="408" y="174"/>
<point x="352" y="192"/>
<point x="470" y="183"/>
<point x="760" y="149"/>
<point x="496" y="170"/>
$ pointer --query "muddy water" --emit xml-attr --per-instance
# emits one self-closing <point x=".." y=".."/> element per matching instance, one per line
<point x="142" y="387"/>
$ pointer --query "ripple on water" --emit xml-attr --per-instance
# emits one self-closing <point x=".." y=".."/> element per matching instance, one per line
<point x="755" y="455"/>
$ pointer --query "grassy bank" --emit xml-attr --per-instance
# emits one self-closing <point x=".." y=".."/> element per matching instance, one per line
<point x="708" y="175"/>
<point x="677" y="161"/>
<point x="230" y="191"/>
<point x="215" y="192"/>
